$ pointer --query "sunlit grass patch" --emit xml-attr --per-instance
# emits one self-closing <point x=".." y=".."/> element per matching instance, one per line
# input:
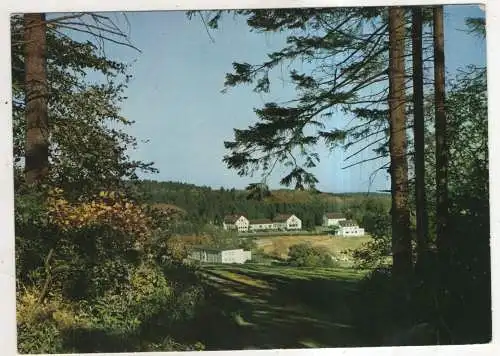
<point x="240" y="321"/>
<point x="304" y="272"/>
<point x="243" y="279"/>
<point x="235" y="294"/>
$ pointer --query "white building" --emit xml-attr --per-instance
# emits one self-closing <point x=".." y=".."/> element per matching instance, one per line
<point x="219" y="255"/>
<point x="236" y="222"/>
<point x="287" y="222"/>
<point x="261" y="225"/>
<point x="332" y="219"/>
<point x="280" y="222"/>
<point x="350" y="228"/>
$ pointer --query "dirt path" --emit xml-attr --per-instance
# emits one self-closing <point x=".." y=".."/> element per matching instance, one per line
<point x="261" y="308"/>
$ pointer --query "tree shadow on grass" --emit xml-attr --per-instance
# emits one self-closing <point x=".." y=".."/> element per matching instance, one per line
<point x="318" y="293"/>
<point x="286" y="312"/>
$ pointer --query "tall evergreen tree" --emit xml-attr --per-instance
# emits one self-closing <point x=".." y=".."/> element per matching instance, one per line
<point x="419" y="133"/>
<point x="442" y="236"/>
<point x="36" y="93"/>
<point x="401" y="237"/>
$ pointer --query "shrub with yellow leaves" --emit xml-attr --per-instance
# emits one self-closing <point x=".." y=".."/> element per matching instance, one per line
<point x="108" y="208"/>
<point x="40" y="324"/>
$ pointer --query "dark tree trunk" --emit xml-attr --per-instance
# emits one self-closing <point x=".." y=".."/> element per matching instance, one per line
<point x="442" y="238"/>
<point x="401" y="235"/>
<point x="37" y="141"/>
<point x="419" y="136"/>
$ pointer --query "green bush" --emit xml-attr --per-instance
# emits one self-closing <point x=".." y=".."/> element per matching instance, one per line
<point x="305" y="255"/>
<point x="372" y="254"/>
<point x="248" y="244"/>
<point x="138" y="317"/>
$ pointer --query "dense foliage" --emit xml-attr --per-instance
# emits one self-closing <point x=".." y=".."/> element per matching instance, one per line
<point x="88" y="279"/>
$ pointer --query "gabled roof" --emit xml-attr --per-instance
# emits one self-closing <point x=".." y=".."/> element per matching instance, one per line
<point x="335" y="216"/>
<point x="260" y="221"/>
<point x="282" y="217"/>
<point x="231" y="219"/>
<point x="346" y="223"/>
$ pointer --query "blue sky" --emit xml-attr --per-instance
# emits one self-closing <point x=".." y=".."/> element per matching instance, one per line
<point x="176" y="102"/>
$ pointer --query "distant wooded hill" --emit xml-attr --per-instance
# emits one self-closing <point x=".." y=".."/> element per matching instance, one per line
<point x="207" y="205"/>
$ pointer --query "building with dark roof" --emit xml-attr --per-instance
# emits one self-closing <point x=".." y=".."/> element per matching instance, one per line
<point x="235" y="222"/>
<point x="287" y="222"/>
<point x="333" y="219"/>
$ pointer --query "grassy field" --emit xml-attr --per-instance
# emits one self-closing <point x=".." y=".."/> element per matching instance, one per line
<point x="263" y="307"/>
<point x="334" y="244"/>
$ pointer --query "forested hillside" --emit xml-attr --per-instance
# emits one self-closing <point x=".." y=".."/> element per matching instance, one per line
<point x="206" y="205"/>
